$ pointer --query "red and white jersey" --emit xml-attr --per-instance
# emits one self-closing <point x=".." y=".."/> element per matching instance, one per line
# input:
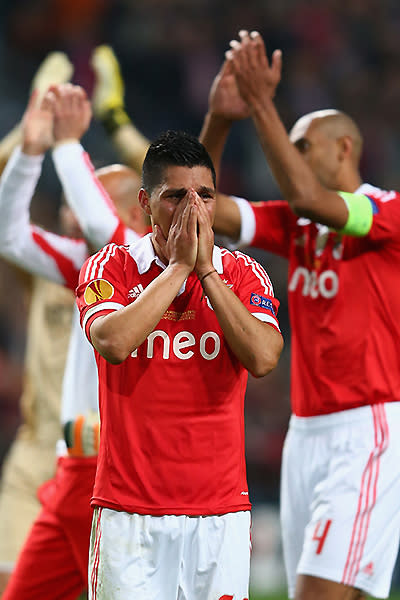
<point x="59" y="258"/>
<point x="343" y="301"/>
<point x="87" y="197"/>
<point x="43" y="253"/>
<point x="172" y="435"/>
<point x="30" y="247"/>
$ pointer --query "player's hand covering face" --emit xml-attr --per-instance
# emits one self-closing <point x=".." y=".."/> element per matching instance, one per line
<point x="174" y="207"/>
<point x="205" y="239"/>
<point x="180" y="246"/>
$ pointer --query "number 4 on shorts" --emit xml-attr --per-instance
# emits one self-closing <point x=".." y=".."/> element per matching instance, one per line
<point x="320" y="534"/>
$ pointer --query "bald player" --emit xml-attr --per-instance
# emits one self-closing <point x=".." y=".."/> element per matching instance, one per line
<point x="340" y="478"/>
<point x="53" y="562"/>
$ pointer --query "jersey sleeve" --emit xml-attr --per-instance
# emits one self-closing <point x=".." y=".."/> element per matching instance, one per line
<point x="274" y="222"/>
<point x="30" y="247"/>
<point x="255" y="290"/>
<point x="265" y="225"/>
<point x="385" y="227"/>
<point x="102" y="288"/>
<point x="86" y="196"/>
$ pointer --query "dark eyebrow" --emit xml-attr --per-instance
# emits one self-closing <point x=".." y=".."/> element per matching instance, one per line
<point x="207" y="190"/>
<point x="178" y="191"/>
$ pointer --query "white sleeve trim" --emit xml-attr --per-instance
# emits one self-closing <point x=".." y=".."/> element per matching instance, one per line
<point x="247" y="226"/>
<point x="85" y="194"/>
<point x="266" y="319"/>
<point x="98" y="308"/>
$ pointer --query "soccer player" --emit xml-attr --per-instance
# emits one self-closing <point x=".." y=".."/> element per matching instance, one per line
<point x="176" y="322"/>
<point x="340" y="477"/>
<point x="54" y="558"/>
<point x="30" y="458"/>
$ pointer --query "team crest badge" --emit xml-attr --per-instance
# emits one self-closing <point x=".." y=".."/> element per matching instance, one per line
<point x="96" y="290"/>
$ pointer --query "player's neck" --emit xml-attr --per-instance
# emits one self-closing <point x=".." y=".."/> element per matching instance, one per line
<point x="350" y="181"/>
<point x="158" y="251"/>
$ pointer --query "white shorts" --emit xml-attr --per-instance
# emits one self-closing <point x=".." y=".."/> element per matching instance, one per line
<point x="340" y="497"/>
<point x="169" y="557"/>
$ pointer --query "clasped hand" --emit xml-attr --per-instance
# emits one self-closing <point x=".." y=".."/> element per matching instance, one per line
<point x="190" y="238"/>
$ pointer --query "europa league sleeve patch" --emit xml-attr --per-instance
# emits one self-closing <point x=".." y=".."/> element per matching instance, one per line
<point x="262" y="302"/>
<point x="97" y="290"/>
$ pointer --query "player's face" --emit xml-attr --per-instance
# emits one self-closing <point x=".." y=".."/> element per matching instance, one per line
<point x="319" y="150"/>
<point x="176" y="184"/>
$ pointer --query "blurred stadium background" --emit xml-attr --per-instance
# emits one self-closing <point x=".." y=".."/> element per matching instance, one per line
<point x="336" y="54"/>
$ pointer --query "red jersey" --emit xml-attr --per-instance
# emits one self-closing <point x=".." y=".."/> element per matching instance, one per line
<point x="172" y="431"/>
<point x="344" y="305"/>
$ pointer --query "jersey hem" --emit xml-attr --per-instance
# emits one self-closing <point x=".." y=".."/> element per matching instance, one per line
<point x="360" y="583"/>
<point x="340" y="409"/>
<point x="161" y="511"/>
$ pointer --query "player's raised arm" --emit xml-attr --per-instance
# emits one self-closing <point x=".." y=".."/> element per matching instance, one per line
<point x="30" y="247"/>
<point x="257" y="79"/>
<point x="225" y="105"/>
<point x="83" y="190"/>
<point x="109" y="108"/>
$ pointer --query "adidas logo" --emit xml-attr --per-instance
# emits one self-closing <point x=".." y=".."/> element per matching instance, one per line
<point x="369" y="569"/>
<point x="135" y="291"/>
<point x="229" y="285"/>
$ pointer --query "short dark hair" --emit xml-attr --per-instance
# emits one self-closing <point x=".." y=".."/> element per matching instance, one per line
<point x="173" y="148"/>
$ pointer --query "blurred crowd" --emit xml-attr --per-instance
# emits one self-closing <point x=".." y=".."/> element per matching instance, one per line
<point x="336" y="54"/>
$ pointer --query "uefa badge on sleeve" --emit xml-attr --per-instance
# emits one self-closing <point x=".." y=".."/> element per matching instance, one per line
<point x="97" y="290"/>
<point x="262" y="302"/>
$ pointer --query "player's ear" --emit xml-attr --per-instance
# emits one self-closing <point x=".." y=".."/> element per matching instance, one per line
<point x="345" y="144"/>
<point x="138" y="220"/>
<point x="144" y="201"/>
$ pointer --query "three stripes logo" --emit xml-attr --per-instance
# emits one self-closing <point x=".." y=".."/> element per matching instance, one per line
<point x="96" y="290"/>
<point x="135" y="291"/>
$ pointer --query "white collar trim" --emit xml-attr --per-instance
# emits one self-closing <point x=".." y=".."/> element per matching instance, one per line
<point x="366" y="188"/>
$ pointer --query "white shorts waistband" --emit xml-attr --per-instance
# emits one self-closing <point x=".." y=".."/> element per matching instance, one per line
<point x="363" y="413"/>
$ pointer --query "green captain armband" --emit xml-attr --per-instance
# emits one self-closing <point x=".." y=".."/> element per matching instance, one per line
<point x="360" y="214"/>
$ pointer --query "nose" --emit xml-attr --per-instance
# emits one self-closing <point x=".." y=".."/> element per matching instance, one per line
<point x="193" y="194"/>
